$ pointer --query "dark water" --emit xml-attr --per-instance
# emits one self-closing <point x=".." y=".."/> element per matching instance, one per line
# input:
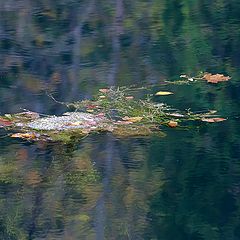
<point x="183" y="186"/>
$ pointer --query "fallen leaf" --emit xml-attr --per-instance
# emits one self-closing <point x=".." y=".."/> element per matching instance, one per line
<point x="91" y="106"/>
<point x="5" y="123"/>
<point x="102" y="97"/>
<point x="104" y="90"/>
<point x="163" y="93"/>
<point x="212" y="120"/>
<point x="90" y="110"/>
<point x="25" y="135"/>
<point x="215" y="78"/>
<point x="129" y="97"/>
<point x="132" y="119"/>
<point x="172" y="124"/>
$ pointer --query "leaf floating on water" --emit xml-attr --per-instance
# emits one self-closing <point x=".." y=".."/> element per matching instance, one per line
<point x="172" y="124"/>
<point x="91" y="106"/>
<point x="5" y="123"/>
<point x="25" y="135"/>
<point x="132" y="119"/>
<point x="215" y="78"/>
<point x="129" y="97"/>
<point x="104" y="90"/>
<point x="163" y="93"/>
<point x="90" y="110"/>
<point x="213" y="120"/>
<point x="102" y="97"/>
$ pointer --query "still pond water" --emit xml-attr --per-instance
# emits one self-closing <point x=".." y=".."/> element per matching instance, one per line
<point x="185" y="185"/>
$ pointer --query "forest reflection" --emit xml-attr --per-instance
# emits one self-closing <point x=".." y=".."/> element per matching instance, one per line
<point x="183" y="186"/>
<point x="73" y="47"/>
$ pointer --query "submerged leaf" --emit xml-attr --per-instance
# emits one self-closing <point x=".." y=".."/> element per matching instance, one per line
<point x="163" y="93"/>
<point x="212" y="120"/>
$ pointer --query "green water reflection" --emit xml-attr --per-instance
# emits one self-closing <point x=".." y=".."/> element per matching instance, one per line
<point x="182" y="186"/>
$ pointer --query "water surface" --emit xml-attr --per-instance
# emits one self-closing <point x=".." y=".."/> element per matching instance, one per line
<point x="183" y="186"/>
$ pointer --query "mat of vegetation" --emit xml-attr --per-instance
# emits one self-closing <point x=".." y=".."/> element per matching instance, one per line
<point x="112" y="110"/>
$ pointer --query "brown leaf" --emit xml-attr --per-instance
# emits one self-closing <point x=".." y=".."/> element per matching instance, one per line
<point x="212" y="120"/>
<point x="172" y="124"/>
<point x="215" y="78"/>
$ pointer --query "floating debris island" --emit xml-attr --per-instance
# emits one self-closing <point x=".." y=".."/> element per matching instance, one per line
<point x="69" y="120"/>
<point x="113" y="110"/>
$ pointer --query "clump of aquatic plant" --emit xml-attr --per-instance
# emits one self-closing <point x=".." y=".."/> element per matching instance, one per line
<point x="113" y="110"/>
<point x="116" y="103"/>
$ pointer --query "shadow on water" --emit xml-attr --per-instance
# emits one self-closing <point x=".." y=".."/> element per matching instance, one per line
<point x="182" y="186"/>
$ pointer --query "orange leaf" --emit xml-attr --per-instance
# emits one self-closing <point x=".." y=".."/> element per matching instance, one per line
<point x="215" y="78"/>
<point x="172" y="124"/>
<point x="212" y="120"/>
<point x="24" y="135"/>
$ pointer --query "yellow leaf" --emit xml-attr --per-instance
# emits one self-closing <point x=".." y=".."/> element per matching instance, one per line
<point x="132" y="119"/>
<point x="102" y="97"/>
<point x="24" y="135"/>
<point x="90" y="110"/>
<point x="163" y="93"/>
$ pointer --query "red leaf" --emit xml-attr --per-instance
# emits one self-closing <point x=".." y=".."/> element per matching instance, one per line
<point x="5" y="123"/>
